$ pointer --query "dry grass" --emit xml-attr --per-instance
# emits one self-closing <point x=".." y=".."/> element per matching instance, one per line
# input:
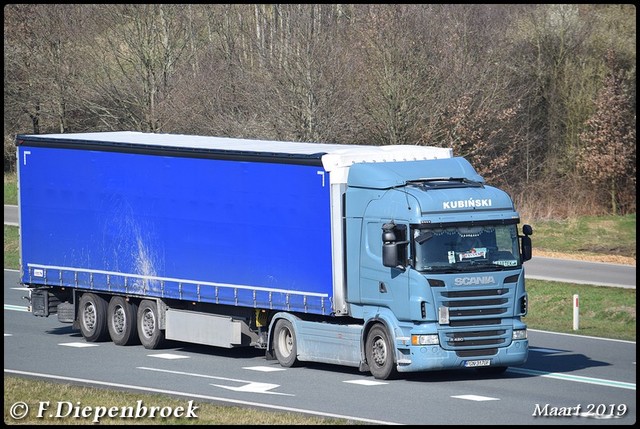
<point x="611" y="259"/>
<point x="65" y="401"/>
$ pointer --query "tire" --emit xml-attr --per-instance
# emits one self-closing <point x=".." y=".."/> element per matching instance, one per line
<point x="379" y="354"/>
<point x="92" y="317"/>
<point x="66" y="312"/>
<point x="148" y="322"/>
<point x="284" y="343"/>
<point x="122" y="321"/>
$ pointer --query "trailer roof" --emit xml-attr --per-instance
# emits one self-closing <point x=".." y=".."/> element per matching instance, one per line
<point x="341" y="155"/>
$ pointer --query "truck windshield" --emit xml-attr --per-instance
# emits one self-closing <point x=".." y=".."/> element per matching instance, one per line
<point x="464" y="248"/>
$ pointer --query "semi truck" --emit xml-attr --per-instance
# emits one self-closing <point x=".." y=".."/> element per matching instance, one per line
<point x="391" y="259"/>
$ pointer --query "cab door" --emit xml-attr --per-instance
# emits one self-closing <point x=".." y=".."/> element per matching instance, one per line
<point x="380" y="285"/>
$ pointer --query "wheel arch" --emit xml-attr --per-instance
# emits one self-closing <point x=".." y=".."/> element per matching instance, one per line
<point x="269" y="352"/>
<point x="388" y="322"/>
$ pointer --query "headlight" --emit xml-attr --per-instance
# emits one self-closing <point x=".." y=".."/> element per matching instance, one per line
<point x="519" y="334"/>
<point x="424" y="340"/>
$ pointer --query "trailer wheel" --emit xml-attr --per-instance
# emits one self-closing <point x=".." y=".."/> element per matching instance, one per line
<point x="149" y="331"/>
<point x="284" y="343"/>
<point x="92" y="317"/>
<point x="379" y="353"/>
<point x="121" y="321"/>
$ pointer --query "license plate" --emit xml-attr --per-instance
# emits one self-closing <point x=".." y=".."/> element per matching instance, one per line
<point x="476" y="363"/>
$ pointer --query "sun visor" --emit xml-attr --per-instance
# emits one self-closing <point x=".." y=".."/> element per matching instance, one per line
<point x="392" y="174"/>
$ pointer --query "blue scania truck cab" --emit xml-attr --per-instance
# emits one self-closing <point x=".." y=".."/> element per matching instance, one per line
<point x="390" y="259"/>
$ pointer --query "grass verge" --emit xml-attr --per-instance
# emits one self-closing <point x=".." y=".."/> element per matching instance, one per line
<point x="606" y="312"/>
<point x="11" y="250"/>
<point x="10" y="189"/>
<point x="125" y="405"/>
<point x="589" y="235"/>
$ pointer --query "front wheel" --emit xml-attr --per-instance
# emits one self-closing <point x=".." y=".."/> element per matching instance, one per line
<point x="149" y="331"/>
<point x="379" y="353"/>
<point x="284" y="343"/>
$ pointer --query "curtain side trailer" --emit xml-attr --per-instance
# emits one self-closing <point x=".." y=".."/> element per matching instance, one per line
<point x="343" y="254"/>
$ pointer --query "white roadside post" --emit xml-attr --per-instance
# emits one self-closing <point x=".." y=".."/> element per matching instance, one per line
<point x="576" y="312"/>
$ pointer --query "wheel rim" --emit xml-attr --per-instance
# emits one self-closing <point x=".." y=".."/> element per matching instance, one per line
<point x="379" y="351"/>
<point x="119" y="319"/>
<point x="285" y="342"/>
<point x="148" y="323"/>
<point x="89" y="316"/>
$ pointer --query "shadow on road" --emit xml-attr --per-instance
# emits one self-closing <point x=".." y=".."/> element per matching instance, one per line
<point x="560" y="361"/>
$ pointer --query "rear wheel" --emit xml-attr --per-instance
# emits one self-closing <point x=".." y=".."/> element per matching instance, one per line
<point x="121" y="321"/>
<point x="149" y="331"/>
<point x="92" y="317"/>
<point x="284" y="343"/>
<point x="379" y="353"/>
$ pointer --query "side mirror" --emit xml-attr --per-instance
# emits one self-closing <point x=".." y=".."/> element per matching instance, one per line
<point x="390" y="255"/>
<point x="527" y="247"/>
<point x="394" y="245"/>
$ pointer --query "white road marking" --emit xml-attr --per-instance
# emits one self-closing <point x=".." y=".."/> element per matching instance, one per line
<point x="365" y="382"/>
<point x="576" y="378"/>
<point x="79" y="345"/>
<point x="16" y="307"/>
<point x="205" y="397"/>
<point x="476" y="398"/>
<point x="249" y="386"/>
<point x="169" y="356"/>
<point x="254" y="387"/>
<point x="264" y="368"/>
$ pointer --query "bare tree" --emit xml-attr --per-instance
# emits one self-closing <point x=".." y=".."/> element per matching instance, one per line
<point x="42" y="65"/>
<point x="305" y="79"/>
<point x="511" y="87"/>
<point x="609" y="154"/>
<point x="391" y="78"/>
<point x="135" y="61"/>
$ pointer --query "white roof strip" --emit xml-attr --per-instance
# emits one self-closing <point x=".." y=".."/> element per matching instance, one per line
<point x="336" y="158"/>
<point x="339" y="161"/>
<point x="183" y="141"/>
<point x="344" y="157"/>
<point x="341" y="154"/>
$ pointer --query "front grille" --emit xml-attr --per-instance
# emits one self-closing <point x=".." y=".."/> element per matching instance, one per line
<point x="475" y="338"/>
<point x="475" y="292"/>
<point x="477" y="312"/>
<point x="482" y="322"/>
<point x="476" y="334"/>
<point x="475" y="353"/>
<point x="474" y="317"/>
<point x="477" y="302"/>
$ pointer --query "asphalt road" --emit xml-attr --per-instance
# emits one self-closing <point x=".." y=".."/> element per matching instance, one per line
<point x="570" y="271"/>
<point x="564" y="372"/>
<point x="581" y="272"/>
